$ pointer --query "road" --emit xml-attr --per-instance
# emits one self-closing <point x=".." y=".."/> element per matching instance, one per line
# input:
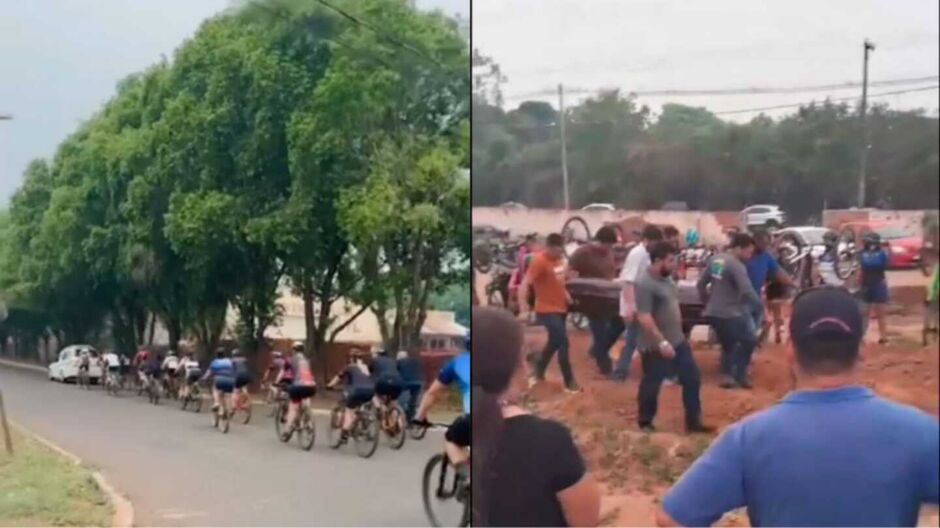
<point x="179" y="471"/>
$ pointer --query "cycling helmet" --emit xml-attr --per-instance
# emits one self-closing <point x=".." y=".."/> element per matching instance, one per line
<point x="691" y="237"/>
<point x="830" y="238"/>
<point x="171" y="352"/>
<point x="236" y="352"/>
<point x="298" y="346"/>
<point x="872" y="238"/>
<point x="277" y="354"/>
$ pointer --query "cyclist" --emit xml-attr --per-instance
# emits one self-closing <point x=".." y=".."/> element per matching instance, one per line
<point x="223" y="379"/>
<point x="273" y="371"/>
<point x="386" y="377"/>
<point x="189" y="370"/>
<point x="242" y="376"/>
<point x="358" y="388"/>
<point x="153" y="368"/>
<point x="412" y="379"/>
<point x="300" y="388"/>
<point x="285" y="374"/>
<point x="112" y="364"/>
<point x="140" y="359"/>
<point x="170" y="367"/>
<point x="457" y="437"/>
<point x="84" y="364"/>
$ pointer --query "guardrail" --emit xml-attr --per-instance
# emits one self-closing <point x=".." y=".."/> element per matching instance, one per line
<point x="7" y="439"/>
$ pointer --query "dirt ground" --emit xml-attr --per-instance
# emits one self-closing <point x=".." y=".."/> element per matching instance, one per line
<point x="636" y="468"/>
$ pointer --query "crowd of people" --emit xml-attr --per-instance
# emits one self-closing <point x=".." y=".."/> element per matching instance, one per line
<point x="802" y="462"/>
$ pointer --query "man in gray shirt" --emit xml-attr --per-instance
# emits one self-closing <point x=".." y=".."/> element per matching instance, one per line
<point x="728" y="306"/>
<point x="662" y="344"/>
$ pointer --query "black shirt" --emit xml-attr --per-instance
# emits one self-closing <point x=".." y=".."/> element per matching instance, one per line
<point x="384" y="367"/>
<point x="354" y="378"/>
<point x="410" y="370"/>
<point x="536" y="459"/>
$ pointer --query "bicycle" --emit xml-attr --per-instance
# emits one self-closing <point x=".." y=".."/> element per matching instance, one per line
<point x="113" y="383"/>
<point x="154" y="390"/>
<point x="194" y="397"/>
<point x="446" y="486"/>
<point x="364" y="432"/>
<point x="304" y="424"/>
<point x="242" y="404"/>
<point x="221" y="417"/>
<point x="392" y="422"/>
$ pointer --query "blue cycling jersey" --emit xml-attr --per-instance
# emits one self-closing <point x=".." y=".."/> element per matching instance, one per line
<point x="458" y="370"/>
<point x="222" y="368"/>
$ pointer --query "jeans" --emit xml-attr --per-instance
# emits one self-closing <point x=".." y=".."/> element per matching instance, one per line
<point x="604" y="331"/>
<point x="757" y="319"/>
<point x="557" y="342"/>
<point x="409" y="399"/>
<point x="655" y="369"/>
<point x="622" y="370"/>
<point x="737" y="344"/>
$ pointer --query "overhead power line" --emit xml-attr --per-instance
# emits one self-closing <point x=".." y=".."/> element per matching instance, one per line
<point x="795" y="105"/>
<point x="394" y="40"/>
<point x="753" y="90"/>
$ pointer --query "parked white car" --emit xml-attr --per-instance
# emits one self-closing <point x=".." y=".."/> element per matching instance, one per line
<point x="66" y="368"/>
<point x="769" y="216"/>
<point x="599" y="207"/>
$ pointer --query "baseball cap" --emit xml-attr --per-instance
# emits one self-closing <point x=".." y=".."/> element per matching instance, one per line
<point x="826" y="313"/>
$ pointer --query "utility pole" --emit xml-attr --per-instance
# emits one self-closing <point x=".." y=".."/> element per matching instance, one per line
<point x="564" y="148"/>
<point x="868" y="46"/>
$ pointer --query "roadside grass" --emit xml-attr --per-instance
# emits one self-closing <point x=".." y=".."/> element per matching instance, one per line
<point x="39" y="487"/>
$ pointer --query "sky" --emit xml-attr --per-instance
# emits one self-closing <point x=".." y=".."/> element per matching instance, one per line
<point x="60" y="61"/>
<point x="652" y="45"/>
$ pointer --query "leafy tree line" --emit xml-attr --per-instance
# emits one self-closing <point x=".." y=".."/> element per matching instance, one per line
<point x="283" y="144"/>
<point x="618" y="152"/>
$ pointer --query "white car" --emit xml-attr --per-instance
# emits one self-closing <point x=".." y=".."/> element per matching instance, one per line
<point x="769" y="216"/>
<point x="66" y="368"/>
<point x="599" y="207"/>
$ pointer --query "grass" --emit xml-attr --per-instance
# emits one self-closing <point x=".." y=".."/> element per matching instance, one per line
<point x="39" y="487"/>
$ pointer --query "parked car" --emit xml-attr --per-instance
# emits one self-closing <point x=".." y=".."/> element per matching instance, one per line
<point x="599" y="207"/>
<point x="767" y="216"/>
<point x="903" y="246"/>
<point x="66" y="368"/>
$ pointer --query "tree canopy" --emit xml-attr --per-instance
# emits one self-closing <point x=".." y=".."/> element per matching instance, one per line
<point x="247" y="162"/>
<point x="619" y="152"/>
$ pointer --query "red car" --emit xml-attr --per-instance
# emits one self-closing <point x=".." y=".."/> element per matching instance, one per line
<point x="903" y="246"/>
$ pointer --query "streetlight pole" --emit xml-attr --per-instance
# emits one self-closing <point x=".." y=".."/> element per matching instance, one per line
<point x="564" y="148"/>
<point x="868" y="46"/>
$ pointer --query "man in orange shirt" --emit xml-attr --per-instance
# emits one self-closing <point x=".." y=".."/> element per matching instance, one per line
<point x="546" y="276"/>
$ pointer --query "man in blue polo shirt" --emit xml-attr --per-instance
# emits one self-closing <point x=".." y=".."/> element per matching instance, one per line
<point x="831" y="453"/>
<point x="761" y="267"/>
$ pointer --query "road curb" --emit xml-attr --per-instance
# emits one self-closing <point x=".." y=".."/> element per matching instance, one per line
<point x="25" y="366"/>
<point x="123" y="516"/>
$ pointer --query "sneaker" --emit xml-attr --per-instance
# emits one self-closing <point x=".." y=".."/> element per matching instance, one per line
<point x="699" y="427"/>
<point x="672" y="380"/>
<point x="745" y="383"/>
<point x="533" y="381"/>
<point x="573" y="388"/>
<point x="647" y="428"/>
<point x="727" y="382"/>
<point x="883" y="341"/>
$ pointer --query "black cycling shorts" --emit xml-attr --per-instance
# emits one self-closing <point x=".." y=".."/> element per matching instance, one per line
<point x="112" y="369"/>
<point x="459" y="432"/>
<point x="225" y="385"/>
<point x="193" y="376"/>
<point x="298" y="393"/>
<point x="242" y="380"/>
<point x="388" y="387"/>
<point x="357" y="396"/>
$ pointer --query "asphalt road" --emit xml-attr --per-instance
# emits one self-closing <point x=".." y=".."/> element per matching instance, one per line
<point x="179" y="471"/>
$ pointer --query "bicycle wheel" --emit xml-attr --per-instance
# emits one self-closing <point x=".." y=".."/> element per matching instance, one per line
<point x="366" y="431"/>
<point x="336" y="426"/>
<point x="244" y="406"/>
<point x="196" y="395"/>
<point x="395" y="426"/>
<point x="575" y="233"/>
<point x="280" y="414"/>
<point x="417" y="432"/>
<point x="184" y="401"/>
<point x="306" y="430"/>
<point x="438" y="492"/>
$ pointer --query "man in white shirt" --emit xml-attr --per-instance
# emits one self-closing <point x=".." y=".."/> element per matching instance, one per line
<point x="638" y="260"/>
